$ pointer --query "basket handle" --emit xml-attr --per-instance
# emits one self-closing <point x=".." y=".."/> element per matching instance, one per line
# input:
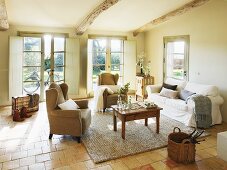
<point x="185" y="140"/>
<point x="174" y="129"/>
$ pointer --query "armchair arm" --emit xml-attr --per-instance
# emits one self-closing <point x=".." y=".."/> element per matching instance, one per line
<point x="153" y="88"/>
<point x="216" y="100"/>
<point x="67" y="113"/>
<point x="105" y="93"/>
<point x="83" y="104"/>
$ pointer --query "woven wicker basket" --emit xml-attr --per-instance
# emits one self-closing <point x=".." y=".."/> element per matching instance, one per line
<point x="179" y="148"/>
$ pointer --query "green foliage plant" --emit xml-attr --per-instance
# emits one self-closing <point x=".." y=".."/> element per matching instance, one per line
<point x="124" y="89"/>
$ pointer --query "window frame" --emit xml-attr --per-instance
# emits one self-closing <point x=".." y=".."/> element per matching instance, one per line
<point x="41" y="35"/>
<point x="108" y="52"/>
<point x="186" y="39"/>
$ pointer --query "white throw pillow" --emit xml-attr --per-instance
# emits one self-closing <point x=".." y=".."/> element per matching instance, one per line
<point x="68" y="105"/>
<point x="168" y="93"/>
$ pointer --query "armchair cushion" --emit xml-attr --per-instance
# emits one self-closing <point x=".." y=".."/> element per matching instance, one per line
<point x="68" y="105"/>
<point x="66" y="113"/>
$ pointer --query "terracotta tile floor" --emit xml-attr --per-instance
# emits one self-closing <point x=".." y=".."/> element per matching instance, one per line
<point x="25" y="145"/>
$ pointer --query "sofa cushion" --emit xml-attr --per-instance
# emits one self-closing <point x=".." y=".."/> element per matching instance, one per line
<point x="184" y="94"/>
<point x="157" y="98"/>
<point x="169" y="86"/>
<point x="177" y="104"/>
<point x="168" y="93"/>
<point x="180" y="83"/>
<point x="206" y="90"/>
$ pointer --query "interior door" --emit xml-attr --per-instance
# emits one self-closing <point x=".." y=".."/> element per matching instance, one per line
<point x="175" y="62"/>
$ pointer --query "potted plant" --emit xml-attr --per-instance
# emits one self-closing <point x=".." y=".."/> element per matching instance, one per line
<point x="123" y="92"/>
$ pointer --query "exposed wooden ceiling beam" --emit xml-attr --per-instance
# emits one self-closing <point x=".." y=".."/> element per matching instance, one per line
<point x="83" y="26"/>
<point x="4" y="25"/>
<point x="179" y="11"/>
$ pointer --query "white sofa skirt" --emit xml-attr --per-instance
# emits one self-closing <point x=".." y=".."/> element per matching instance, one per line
<point x="181" y="111"/>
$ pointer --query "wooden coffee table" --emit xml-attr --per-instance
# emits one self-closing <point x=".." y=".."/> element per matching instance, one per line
<point x="135" y="114"/>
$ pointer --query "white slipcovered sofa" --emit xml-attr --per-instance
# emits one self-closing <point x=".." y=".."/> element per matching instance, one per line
<point x="181" y="110"/>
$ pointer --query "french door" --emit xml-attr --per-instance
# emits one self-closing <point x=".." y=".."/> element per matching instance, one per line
<point x="175" y="61"/>
<point x="43" y="63"/>
<point x="107" y="56"/>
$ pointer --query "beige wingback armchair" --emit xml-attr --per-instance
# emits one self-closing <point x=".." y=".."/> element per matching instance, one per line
<point x="109" y="79"/>
<point x="66" y="122"/>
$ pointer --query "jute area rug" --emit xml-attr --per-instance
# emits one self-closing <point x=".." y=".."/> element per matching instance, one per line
<point x="102" y="143"/>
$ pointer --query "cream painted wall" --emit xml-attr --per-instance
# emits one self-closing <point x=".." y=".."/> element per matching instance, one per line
<point x="4" y="54"/>
<point x="207" y="28"/>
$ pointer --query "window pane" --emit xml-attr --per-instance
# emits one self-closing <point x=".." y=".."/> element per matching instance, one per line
<point x="116" y="45"/>
<point x="179" y="47"/>
<point x="117" y="69"/>
<point x="31" y="78"/>
<point x="47" y="46"/>
<point x="59" y="73"/>
<point x="31" y="74"/>
<point x="98" y="69"/>
<point x="175" y="59"/>
<point x="97" y="45"/>
<point x="59" y="59"/>
<point x="31" y="87"/>
<point x="59" y="44"/>
<point x="46" y="77"/>
<point x="32" y="44"/>
<point x="32" y="59"/>
<point x="116" y="58"/>
<point x="99" y="58"/>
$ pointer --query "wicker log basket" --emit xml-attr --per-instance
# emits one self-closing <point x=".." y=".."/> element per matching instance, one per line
<point x="180" y="149"/>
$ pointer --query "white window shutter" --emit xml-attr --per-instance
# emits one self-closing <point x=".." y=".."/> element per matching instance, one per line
<point x="15" y="66"/>
<point x="89" y="71"/>
<point x="72" y="64"/>
<point x="130" y="63"/>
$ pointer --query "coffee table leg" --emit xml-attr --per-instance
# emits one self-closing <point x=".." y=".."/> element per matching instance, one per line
<point x="146" y="121"/>
<point x="157" y="122"/>
<point x="114" y="121"/>
<point x="123" y="130"/>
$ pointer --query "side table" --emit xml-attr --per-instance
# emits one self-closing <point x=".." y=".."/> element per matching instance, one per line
<point x="221" y="145"/>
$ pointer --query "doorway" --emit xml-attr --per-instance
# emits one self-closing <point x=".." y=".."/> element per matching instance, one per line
<point x="43" y="63"/>
<point x="106" y="55"/>
<point x="176" y="56"/>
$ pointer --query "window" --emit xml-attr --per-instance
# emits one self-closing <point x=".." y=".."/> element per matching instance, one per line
<point x="43" y="63"/>
<point x="107" y="55"/>
<point x="176" y="57"/>
<point x="117" y="56"/>
<point x="59" y="59"/>
<point x="31" y="64"/>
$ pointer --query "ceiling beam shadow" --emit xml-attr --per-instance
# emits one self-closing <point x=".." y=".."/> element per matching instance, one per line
<point x="177" y="12"/>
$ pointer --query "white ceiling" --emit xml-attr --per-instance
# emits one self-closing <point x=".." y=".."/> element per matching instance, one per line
<point x="126" y="15"/>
